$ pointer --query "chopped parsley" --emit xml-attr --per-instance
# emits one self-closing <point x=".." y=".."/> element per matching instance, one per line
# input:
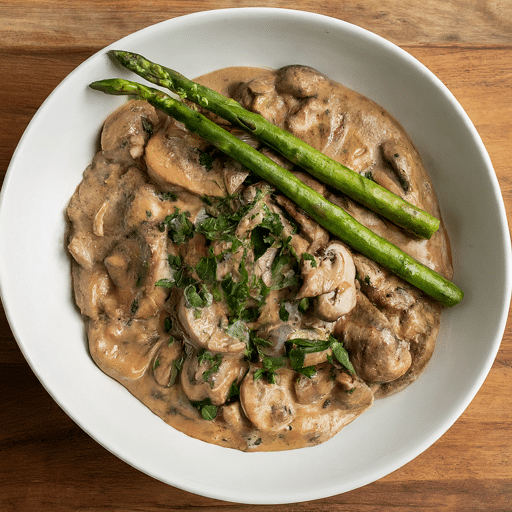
<point x="242" y="290"/>
<point x="206" y="269"/>
<point x="168" y="196"/>
<point x="309" y="257"/>
<point x="176" y="367"/>
<point x="234" y="391"/>
<point x="284" y="315"/>
<point x="207" y="410"/>
<point x="303" y="304"/>
<point x="215" y="361"/>
<point x="197" y="296"/>
<point x="180" y="228"/>
<point x="174" y="262"/>
<point x="269" y="368"/>
<point x="206" y="160"/>
<point x="299" y="347"/>
<point x="261" y="240"/>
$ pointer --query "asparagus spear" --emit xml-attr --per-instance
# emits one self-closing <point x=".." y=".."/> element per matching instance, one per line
<point x="332" y="217"/>
<point x="327" y="170"/>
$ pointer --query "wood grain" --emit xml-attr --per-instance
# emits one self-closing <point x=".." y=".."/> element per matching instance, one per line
<point x="47" y="463"/>
<point x="54" y="25"/>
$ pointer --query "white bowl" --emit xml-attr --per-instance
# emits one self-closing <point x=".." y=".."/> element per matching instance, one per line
<point x="35" y="280"/>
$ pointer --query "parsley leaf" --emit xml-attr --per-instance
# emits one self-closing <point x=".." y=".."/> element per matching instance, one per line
<point x="284" y="315"/>
<point x="237" y="293"/>
<point x="215" y="360"/>
<point x="283" y="271"/>
<point x="147" y="125"/>
<point x="176" y="367"/>
<point x="254" y="345"/>
<point x="270" y="365"/>
<point x="298" y="348"/>
<point x="234" y="391"/>
<point x="238" y="329"/>
<point x="341" y="354"/>
<point x="180" y="228"/>
<point x="197" y="297"/>
<point x="206" y="160"/>
<point x="261" y="240"/>
<point x="217" y="228"/>
<point x="168" y="196"/>
<point x="303" y="304"/>
<point x="308" y="371"/>
<point x="206" y="269"/>
<point x="309" y="257"/>
<point x="174" y="261"/>
<point x="271" y="221"/>
<point x="165" y="283"/>
<point x="206" y="408"/>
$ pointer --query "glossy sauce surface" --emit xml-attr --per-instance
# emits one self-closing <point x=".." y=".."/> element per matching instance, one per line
<point x="150" y="340"/>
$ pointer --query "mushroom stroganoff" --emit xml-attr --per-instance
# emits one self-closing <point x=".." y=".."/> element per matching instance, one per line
<point x="219" y="303"/>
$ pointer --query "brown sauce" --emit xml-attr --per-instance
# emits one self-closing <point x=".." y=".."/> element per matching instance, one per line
<point x="174" y="347"/>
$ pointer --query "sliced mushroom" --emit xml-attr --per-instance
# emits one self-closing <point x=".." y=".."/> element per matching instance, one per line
<point x="165" y="364"/>
<point x="123" y="350"/>
<point x="174" y="160"/>
<point x="130" y="127"/>
<point x="110" y="217"/>
<point x="135" y="265"/>
<point x="152" y="297"/>
<point x="148" y="206"/>
<point x="332" y="281"/>
<point x="309" y="390"/>
<point x="259" y="95"/>
<point x="328" y="411"/>
<point x="126" y="262"/>
<point x="97" y="210"/>
<point x="198" y="384"/>
<point x="376" y="352"/>
<point x="270" y="407"/>
<point x="234" y="416"/>
<point x="85" y="247"/>
<point x="316" y="235"/>
<point x="204" y="327"/>
<point x="94" y="292"/>
<point x="263" y="265"/>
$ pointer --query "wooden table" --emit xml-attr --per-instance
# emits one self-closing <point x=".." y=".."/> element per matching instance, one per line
<point x="47" y="463"/>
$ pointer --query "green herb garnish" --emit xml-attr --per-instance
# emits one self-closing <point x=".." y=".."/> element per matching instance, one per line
<point x="203" y="356"/>
<point x="206" y="408"/>
<point x="197" y="296"/>
<point x="270" y="365"/>
<point x="309" y="257"/>
<point x="180" y="228"/>
<point x="206" y="160"/>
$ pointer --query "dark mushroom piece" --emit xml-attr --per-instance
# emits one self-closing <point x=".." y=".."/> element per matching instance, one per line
<point x="331" y="281"/>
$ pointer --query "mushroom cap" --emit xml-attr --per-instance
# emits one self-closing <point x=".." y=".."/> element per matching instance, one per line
<point x="331" y="279"/>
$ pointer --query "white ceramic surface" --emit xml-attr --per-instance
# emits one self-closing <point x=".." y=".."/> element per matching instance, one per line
<point x="34" y="268"/>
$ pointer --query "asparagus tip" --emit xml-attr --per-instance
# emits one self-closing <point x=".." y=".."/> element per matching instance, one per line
<point x="115" y="57"/>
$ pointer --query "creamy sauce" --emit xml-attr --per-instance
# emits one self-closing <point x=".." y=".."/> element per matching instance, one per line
<point x="173" y="354"/>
